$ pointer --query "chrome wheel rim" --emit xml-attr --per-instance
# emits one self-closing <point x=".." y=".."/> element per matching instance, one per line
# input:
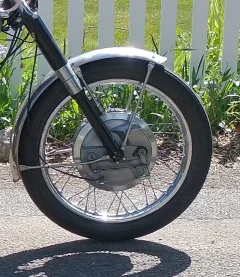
<point x="166" y="177"/>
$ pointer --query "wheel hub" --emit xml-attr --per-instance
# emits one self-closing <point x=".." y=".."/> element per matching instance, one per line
<point x="139" y="154"/>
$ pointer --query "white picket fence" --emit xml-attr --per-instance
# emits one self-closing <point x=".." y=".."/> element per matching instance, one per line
<point x="137" y="22"/>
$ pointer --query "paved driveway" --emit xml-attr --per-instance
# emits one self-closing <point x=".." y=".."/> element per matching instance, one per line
<point x="204" y="241"/>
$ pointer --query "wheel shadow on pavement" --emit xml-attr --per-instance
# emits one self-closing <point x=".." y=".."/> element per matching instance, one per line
<point x="90" y="258"/>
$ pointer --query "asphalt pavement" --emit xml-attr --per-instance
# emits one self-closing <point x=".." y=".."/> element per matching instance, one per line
<point x="204" y="241"/>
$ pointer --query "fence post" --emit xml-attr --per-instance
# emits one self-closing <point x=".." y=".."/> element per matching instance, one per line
<point x="16" y="78"/>
<point x="75" y="27"/>
<point x="45" y="9"/>
<point x="137" y="23"/>
<point x="199" y="34"/>
<point x="168" y="30"/>
<point x="231" y="35"/>
<point x="106" y="23"/>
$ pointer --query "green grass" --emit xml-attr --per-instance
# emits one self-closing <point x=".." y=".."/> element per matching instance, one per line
<point x="121" y="21"/>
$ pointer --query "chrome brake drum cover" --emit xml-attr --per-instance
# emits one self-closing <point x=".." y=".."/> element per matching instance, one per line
<point x="108" y="175"/>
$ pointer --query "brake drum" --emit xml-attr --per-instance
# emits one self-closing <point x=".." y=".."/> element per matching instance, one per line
<point x="139" y="154"/>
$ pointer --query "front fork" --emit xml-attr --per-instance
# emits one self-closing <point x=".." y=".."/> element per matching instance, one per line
<point x="64" y="71"/>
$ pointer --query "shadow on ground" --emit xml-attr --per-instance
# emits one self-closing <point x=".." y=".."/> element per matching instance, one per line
<point x="89" y="259"/>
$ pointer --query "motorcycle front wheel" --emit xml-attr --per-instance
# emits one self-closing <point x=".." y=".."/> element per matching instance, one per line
<point x="167" y="156"/>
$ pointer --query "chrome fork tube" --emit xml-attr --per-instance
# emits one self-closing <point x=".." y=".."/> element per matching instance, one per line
<point x="70" y="79"/>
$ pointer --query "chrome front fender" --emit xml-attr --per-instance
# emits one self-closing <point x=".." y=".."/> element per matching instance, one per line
<point x="107" y="53"/>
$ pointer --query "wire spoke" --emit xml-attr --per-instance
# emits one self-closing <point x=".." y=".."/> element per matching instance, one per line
<point x="63" y="175"/>
<point x="97" y="203"/>
<point x="168" y="148"/>
<point x="59" y="151"/>
<point x="145" y="191"/>
<point x="67" y="178"/>
<point x="164" y="163"/>
<point x="130" y="200"/>
<point x="129" y="100"/>
<point x="158" y="120"/>
<point x="155" y="196"/>
<point x="150" y="186"/>
<point x="89" y="192"/>
<point x="77" y="194"/>
<point x="169" y="156"/>
<point x="115" y="196"/>
<point x="120" y="202"/>
<point x="145" y="108"/>
<point x="87" y="198"/>
<point x="59" y="141"/>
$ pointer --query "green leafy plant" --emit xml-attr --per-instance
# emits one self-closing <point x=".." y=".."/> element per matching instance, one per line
<point x="5" y="99"/>
<point x="9" y="104"/>
<point x="215" y="34"/>
<point x="217" y="95"/>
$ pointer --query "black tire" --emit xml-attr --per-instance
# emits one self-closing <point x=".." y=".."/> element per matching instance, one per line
<point x="194" y="115"/>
